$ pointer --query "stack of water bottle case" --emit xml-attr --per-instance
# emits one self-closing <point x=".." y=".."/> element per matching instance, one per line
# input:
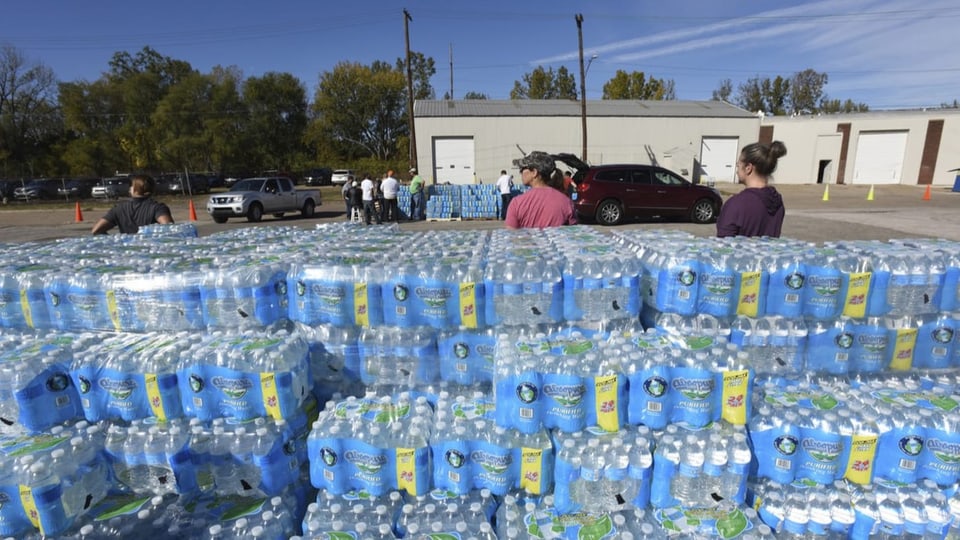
<point x="350" y="382"/>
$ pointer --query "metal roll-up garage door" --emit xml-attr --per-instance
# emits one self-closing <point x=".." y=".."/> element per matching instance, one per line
<point x="879" y="157"/>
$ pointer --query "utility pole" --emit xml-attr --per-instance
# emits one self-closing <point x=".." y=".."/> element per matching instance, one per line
<point x="583" y="90"/>
<point x="451" y="72"/>
<point x="413" y="134"/>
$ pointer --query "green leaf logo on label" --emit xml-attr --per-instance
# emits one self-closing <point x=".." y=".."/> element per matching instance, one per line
<point x="122" y="509"/>
<point x="732" y="525"/>
<point x="824" y="402"/>
<point x="944" y="402"/>
<point x="596" y="530"/>
<point x="443" y="536"/>
<point x="253" y="507"/>
<point x="700" y="342"/>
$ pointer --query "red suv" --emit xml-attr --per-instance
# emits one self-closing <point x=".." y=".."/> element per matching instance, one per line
<point x="612" y="194"/>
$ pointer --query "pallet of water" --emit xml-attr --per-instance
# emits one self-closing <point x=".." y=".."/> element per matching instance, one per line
<point x="214" y="517"/>
<point x="567" y="381"/>
<point x="805" y="509"/>
<point x="49" y="480"/>
<point x="378" y="444"/>
<point x="700" y="469"/>
<point x="894" y="428"/>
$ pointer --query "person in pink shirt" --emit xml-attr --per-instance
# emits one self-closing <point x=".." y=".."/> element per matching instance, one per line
<point x="545" y="204"/>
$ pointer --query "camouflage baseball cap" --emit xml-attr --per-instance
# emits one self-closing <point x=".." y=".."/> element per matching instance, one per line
<point x="543" y="162"/>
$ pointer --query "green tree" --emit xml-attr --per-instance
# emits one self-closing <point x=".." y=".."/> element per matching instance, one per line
<point x="423" y="69"/>
<point x="92" y="120"/>
<point x="801" y="93"/>
<point x="831" y="106"/>
<point x="361" y="111"/>
<point x="276" y="105"/>
<point x="545" y="84"/>
<point x="724" y="91"/>
<point x="769" y="96"/>
<point x="475" y="95"/>
<point x="143" y="80"/>
<point x="178" y="123"/>
<point x="806" y="91"/>
<point x="29" y="121"/>
<point x="635" y="85"/>
<point x="227" y="122"/>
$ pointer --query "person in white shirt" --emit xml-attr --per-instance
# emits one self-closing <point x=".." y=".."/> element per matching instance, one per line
<point x="505" y="187"/>
<point x="389" y="188"/>
<point x="369" y="208"/>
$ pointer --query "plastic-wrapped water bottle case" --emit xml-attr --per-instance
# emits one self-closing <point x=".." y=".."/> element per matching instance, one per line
<point x="349" y="382"/>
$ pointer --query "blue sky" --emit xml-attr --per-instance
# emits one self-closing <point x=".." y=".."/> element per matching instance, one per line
<point x="885" y="53"/>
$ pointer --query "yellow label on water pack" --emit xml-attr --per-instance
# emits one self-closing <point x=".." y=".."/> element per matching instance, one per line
<point x="606" y="404"/>
<point x="268" y="388"/>
<point x="153" y="395"/>
<point x="112" y="310"/>
<point x="903" y="349"/>
<point x="406" y="470"/>
<point x="468" y="304"/>
<point x="863" y="450"/>
<point x="857" y="291"/>
<point x="30" y="507"/>
<point x="531" y="470"/>
<point x="735" y="388"/>
<point x="25" y="308"/>
<point x="749" y="302"/>
<point x="360" y="304"/>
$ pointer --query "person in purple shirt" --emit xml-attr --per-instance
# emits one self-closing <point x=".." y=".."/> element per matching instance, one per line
<point x="758" y="209"/>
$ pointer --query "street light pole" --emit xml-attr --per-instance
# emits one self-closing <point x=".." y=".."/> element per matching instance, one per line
<point x="583" y="90"/>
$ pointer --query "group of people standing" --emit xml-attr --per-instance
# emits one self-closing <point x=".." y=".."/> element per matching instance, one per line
<point x="377" y="199"/>
<point x="757" y="210"/>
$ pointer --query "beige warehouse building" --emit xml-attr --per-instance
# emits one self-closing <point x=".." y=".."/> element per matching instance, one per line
<point x="470" y="141"/>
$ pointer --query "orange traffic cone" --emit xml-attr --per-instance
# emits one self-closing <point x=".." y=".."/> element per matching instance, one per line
<point x="926" y="194"/>
<point x="78" y="214"/>
<point x="193" y="212"/>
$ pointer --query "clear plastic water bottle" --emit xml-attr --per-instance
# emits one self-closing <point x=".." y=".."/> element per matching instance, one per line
<point x="891" y="516"/>
<point x="714" y="469"/>
<point x="687" y="486"/>
<point x="842" y="513"/>
<point x="735" y="474"/>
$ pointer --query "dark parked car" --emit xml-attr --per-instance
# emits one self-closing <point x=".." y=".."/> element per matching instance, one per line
<point x="77" y="188"/>
<point x="113" y="187"/>
<point x="612" y="194"/>
<point x="178" y="184"/>
<point x="36" y="189"/>
<point x="7" y="187"/>
<point x="318" y="177"/>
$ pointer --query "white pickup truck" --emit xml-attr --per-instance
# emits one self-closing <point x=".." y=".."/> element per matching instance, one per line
<point x="254" y="197"/>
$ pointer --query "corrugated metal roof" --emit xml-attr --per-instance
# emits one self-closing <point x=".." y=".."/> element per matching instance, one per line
<point x="561" y="107"/>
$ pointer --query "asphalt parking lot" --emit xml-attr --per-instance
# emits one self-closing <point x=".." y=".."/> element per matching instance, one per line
<point x="895" y="212"/>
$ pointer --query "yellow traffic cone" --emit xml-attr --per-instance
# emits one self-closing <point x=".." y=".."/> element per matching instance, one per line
<point x="826" y="192"/>
<point x="870" y="193"/>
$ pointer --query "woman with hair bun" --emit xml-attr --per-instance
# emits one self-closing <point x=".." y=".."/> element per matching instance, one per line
<point x="758" y="209"/>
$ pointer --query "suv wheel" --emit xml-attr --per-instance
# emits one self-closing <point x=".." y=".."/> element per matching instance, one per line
<point x="703" y="211"/>
<point x="609" y="213"/>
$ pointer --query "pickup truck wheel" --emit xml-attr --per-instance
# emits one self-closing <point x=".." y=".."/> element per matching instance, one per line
<point x="255" y="213"/>
<point x="308" y="210"/>
<point x="219" y="219"/>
